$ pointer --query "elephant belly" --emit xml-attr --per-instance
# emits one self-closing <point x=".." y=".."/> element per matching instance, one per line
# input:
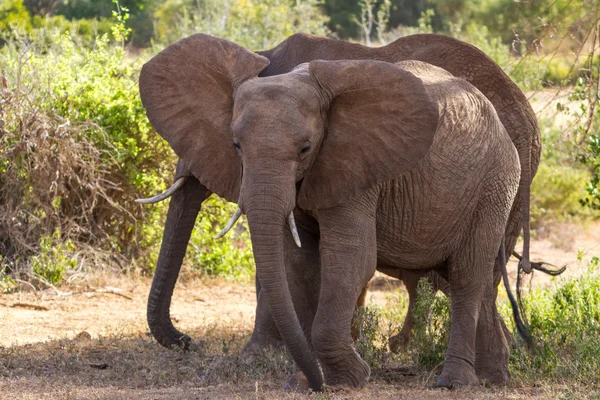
<point x="420" y="225"/>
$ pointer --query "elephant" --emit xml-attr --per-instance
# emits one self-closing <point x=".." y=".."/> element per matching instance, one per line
<point x="459" y="58"/>
<point x="402" y="165"/>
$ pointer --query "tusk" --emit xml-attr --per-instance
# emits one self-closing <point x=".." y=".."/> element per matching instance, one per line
<point x="230" y="224"/>
<point x="294" y="230"/>
<point x="168" y="193"/>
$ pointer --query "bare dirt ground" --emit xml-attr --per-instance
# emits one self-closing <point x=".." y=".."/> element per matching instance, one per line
<point x="89" y="340"/>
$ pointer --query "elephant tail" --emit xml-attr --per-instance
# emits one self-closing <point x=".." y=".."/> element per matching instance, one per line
<point x="521" y="328"/>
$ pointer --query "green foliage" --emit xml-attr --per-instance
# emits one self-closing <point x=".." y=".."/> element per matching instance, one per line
<point x="76" y="111"/>
<point x="119" y="30"/>
<point x="587" y="92"/>
<point x="54" y="257"/>
<point x="13" y="17"/>
<point x="140" y="21"/>
<point x="556" y="193"/>
<point x="253" y="24"/>
<point x="371" y="342"/>
<point x="565" y="324"/>
<point x="229" y="257"/>
<point x="87" y="124"/>
<point x="431" y="332"/>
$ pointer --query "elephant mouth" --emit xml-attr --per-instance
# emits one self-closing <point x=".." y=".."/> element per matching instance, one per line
<point x="238" y="213"/>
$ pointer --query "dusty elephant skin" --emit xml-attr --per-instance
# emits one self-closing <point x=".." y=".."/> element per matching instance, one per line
<point x="459" y="58"/>
<point x="370" y="150"/>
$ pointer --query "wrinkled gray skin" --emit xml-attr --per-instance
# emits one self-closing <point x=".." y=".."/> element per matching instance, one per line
<point x="457" y="57"/>
<point x="402" y="166"/>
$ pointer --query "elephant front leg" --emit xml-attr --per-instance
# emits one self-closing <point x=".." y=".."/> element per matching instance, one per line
<point x="348" y="259"/>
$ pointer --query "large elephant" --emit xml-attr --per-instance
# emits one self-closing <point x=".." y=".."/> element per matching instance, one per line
<point x="401" y="165"/>
<point x="459" y="58"/>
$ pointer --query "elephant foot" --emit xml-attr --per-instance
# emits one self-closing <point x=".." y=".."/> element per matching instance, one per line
<point x="297" y="383"/>
<point x="491" y="364"/>
<point x="399" y="342"/>
<point x="353" y="374"/>
<point x="258" y="343"/>
<point x="495" y="373"/>
<point x="457" y="374"/>
<point x="492" y="348"/>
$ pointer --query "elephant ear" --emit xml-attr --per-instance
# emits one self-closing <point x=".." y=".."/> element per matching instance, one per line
<point x="187" y="90"/>
<point x="381" y="123"/>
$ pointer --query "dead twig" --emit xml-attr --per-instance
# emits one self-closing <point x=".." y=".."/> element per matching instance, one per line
<point x="22" y="282"/>
<point x="29" y="305"/>
<point x="111" y="290"/>
<point x="98" y="365"/>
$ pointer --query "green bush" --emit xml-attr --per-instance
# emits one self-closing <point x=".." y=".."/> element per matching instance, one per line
<point x="55" y="257"/>
<point x="77" y="150"/>
<point x="253" y="24"/>
<point x="559" y="185"/>
<point x="429" y="340"/>
<point x="556" y="194"/>
<point x="371" y="342"/>
<point x="230" y="256"/>
<point x="13" y="17"/>
<point x="565" y="325"/>
<point x="587" y="92"/>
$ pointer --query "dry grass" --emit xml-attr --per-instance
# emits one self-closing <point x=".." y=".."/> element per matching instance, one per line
<point x="134" y="366"/>
<point x="105" y="352"/>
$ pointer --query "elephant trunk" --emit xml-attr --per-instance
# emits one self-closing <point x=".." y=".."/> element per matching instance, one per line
<point x="183" y="210"/>
<point x="267" y="205"/>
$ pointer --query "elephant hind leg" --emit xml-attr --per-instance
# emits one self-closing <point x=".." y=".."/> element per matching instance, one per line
<point x="466" y="300"/>
<point x="492" y="343"/>
<point x="473" y="296"/>
<point x="400" y="341"/>
<point x="411" y="280"/>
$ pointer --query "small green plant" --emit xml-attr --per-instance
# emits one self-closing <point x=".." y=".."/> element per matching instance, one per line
<point x="370" y="341"/>
<point x="119" y="30"/>
<point x="55" y="257"/>
<point x="431" y="332"/>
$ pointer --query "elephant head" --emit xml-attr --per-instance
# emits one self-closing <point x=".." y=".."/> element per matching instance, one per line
<point x="330" y="128"/>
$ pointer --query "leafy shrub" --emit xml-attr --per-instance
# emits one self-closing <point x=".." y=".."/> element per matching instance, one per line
<point x="587" y="92"/>
<point x="13" y="16"/>
<point x="556" y="193"/>
<point x="230" y="256"/>
<point x="371" y="342"/>
<point x="77" y="149"/>
<point x="429" y="340"/>
<point x="253" y="24"/>
<point x="565" y="324"/>
<point x="54" y="258"/>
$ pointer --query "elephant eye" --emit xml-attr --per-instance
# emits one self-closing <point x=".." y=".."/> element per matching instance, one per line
<point x="236" y="145"/>
<point x="305" y="148"/>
